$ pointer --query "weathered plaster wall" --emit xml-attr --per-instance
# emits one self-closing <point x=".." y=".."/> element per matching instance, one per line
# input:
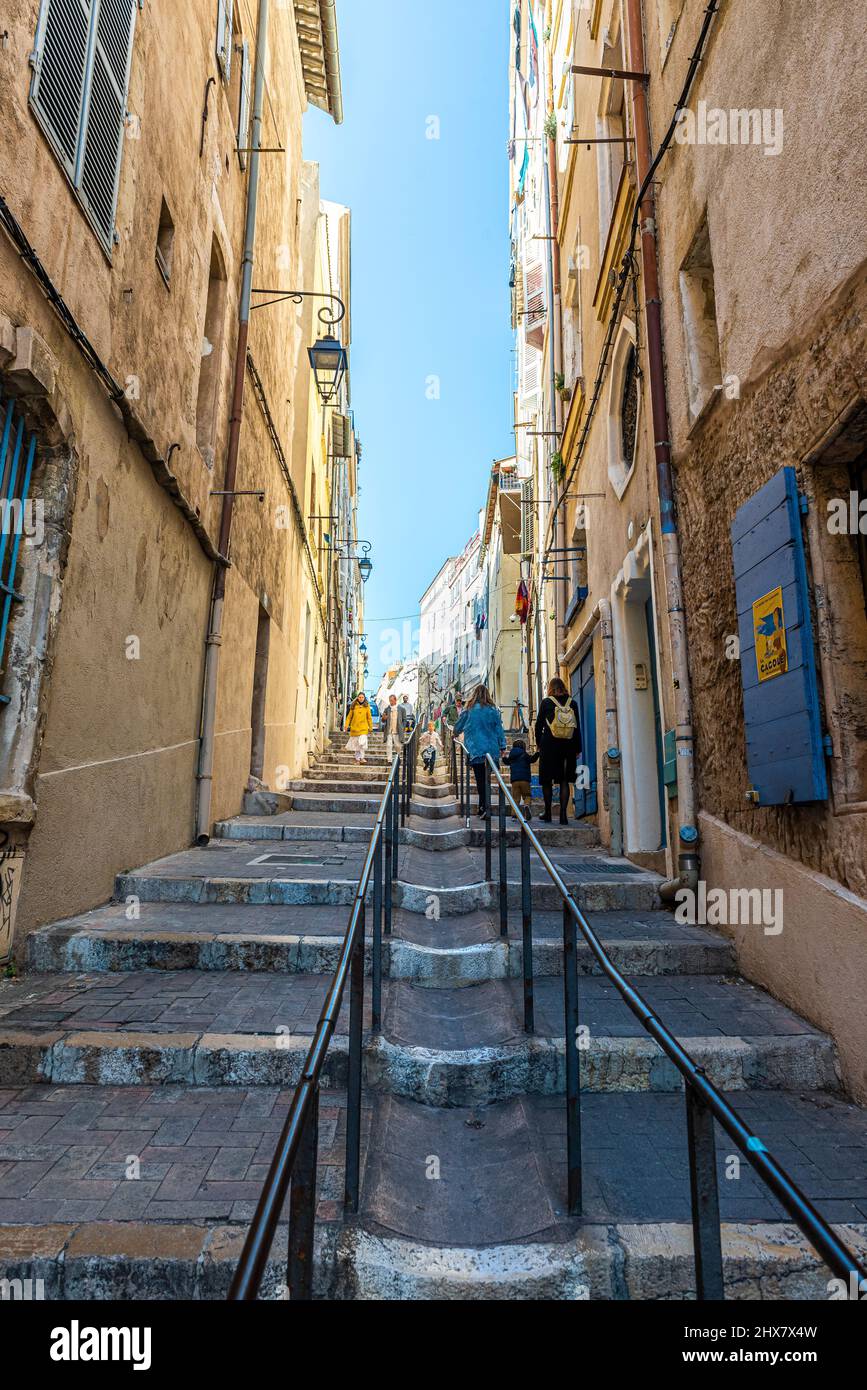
<point x="817" y="964"/>
<point x="116" y="781"/>
<point x="614" y="523"/>
<point x="789" y="248"/>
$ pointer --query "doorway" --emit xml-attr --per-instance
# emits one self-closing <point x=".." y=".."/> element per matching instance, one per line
<point x="260" y="686"/>
<point x="638" y="702"/>
<point x="584" y="694"/>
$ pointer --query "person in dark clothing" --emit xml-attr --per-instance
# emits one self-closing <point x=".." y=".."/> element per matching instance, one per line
<point x="520" y="765"/>
<point x="558" y="738"/>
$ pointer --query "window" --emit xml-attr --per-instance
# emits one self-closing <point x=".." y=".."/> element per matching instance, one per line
<point x="225" y="37"/>
<point x="611" y="131"/>
<point x="244" y="103"/>
<point x="837" y="520"/>
<point x="212" y="354"/>
<point x="165" y="243"/>
<point x="698" y="299"/>
<point x="573" y="343"/>
<point x="78" y="92"/>
<point x="624" y="408"/>
<point x="579" y="584"/>
<point x="669" y="12"/>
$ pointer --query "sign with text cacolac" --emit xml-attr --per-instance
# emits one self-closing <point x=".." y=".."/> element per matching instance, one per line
<point x="769" y="626"/>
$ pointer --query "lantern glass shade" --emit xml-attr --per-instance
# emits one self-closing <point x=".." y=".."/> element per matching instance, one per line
<point x="329" y="362"/>
<point x="366" y="568"/>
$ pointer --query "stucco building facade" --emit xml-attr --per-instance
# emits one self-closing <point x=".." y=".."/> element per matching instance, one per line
<point x="690" y="423"/>
<point x="125" y="200"/>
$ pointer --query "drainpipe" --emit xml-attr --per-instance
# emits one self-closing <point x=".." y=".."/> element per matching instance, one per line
<point x="205" y="774"/>
<point x="688" y="857"/>
<point x="555" y="354"/>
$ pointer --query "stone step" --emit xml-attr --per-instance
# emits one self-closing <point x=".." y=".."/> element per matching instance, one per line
<point x="134" y="1261"/>
<point x="291" y="827"/>
<point x="371" y="787"/>
<point x="634" y="1160"/>
<point x="431" y="900"/>
<point x="445" y="1047"/>
<point x="645" y="1261"/>
<point x="308" y="940"/>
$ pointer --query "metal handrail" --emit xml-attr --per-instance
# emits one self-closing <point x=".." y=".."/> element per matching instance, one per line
<point x="295" y="1158"/>
<point x="704" y="1102"/>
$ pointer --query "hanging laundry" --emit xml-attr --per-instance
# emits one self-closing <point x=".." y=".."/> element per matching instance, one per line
<point x="522" y="602"/>
<point x="533" y="67"/>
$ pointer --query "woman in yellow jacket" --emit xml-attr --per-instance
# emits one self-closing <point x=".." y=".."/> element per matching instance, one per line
<point x="359" y="723"/>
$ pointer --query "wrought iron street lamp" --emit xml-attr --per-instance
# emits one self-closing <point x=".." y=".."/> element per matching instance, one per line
<point x="329" y="361"/>
<point x="328" y="357"/>
<point x="365" y="564"/>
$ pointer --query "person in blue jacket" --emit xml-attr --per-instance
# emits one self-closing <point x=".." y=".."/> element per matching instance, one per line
<point x="483" y="733"/>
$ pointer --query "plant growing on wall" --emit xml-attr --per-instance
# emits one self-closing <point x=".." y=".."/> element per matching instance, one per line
<point x="558" y="468"/>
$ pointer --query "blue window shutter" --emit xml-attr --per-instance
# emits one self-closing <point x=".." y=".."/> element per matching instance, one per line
<point x="783" y="726"/>
<point x="81" y="74"/>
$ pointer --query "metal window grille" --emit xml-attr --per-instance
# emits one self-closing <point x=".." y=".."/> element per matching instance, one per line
<point x="17" y="452"/>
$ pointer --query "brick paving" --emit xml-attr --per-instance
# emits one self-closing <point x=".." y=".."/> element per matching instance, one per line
<point x="170" y="1153"/>
<point x="166" y="1002"/>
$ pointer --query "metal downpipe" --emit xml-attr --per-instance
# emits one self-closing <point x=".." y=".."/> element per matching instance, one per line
<point x="205" y="773"/>
<point x="688" y="859"/>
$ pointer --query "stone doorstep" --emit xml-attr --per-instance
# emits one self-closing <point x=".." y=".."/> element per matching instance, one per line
<point x="157" y="1261"/>
<point x="477" y="1076"/>
<point x="53" y="949"/>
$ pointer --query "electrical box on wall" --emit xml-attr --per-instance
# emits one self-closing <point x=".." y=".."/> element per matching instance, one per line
<point x="782" y="721"/>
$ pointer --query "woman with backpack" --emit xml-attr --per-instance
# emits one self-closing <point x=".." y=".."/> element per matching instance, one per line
<point x="481" y="728"/>
<point x="558" y="738"/>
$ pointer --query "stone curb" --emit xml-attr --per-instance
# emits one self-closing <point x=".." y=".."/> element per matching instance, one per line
<point x="477" y="1076"/>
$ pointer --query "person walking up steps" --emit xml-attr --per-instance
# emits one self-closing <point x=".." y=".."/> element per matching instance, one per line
<point x="520" y="764"/>
<point x="481" y="728"/>
<point x="359" y="724"/>
<point x="393" y="727"/>
<point x="558" y="738"/>
<point x="431" y="744"/>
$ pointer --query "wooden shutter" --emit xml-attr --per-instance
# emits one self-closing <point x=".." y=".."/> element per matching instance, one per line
<point x="106" y="112"/>
<point x="785" y="751"/>
<point x="535" y="307"/>
<point x="58" y="83"/>
<point x="79" y="91"/>
<point x="528" y="517"/>
<point x="224" y="37"/>
<point x="244" y="109"/>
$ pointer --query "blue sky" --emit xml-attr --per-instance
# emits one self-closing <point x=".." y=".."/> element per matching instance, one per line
<point x="430" y="265"/>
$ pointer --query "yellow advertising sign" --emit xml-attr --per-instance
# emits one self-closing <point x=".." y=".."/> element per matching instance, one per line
<point x="769" y="626"/>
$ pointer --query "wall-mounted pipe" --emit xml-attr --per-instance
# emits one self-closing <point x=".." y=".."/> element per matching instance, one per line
<point x="688" y="864"/>
<point x="213" y="641"/>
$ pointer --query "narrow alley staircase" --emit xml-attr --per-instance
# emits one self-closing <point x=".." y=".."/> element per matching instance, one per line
<point x="148" y="1054"/>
